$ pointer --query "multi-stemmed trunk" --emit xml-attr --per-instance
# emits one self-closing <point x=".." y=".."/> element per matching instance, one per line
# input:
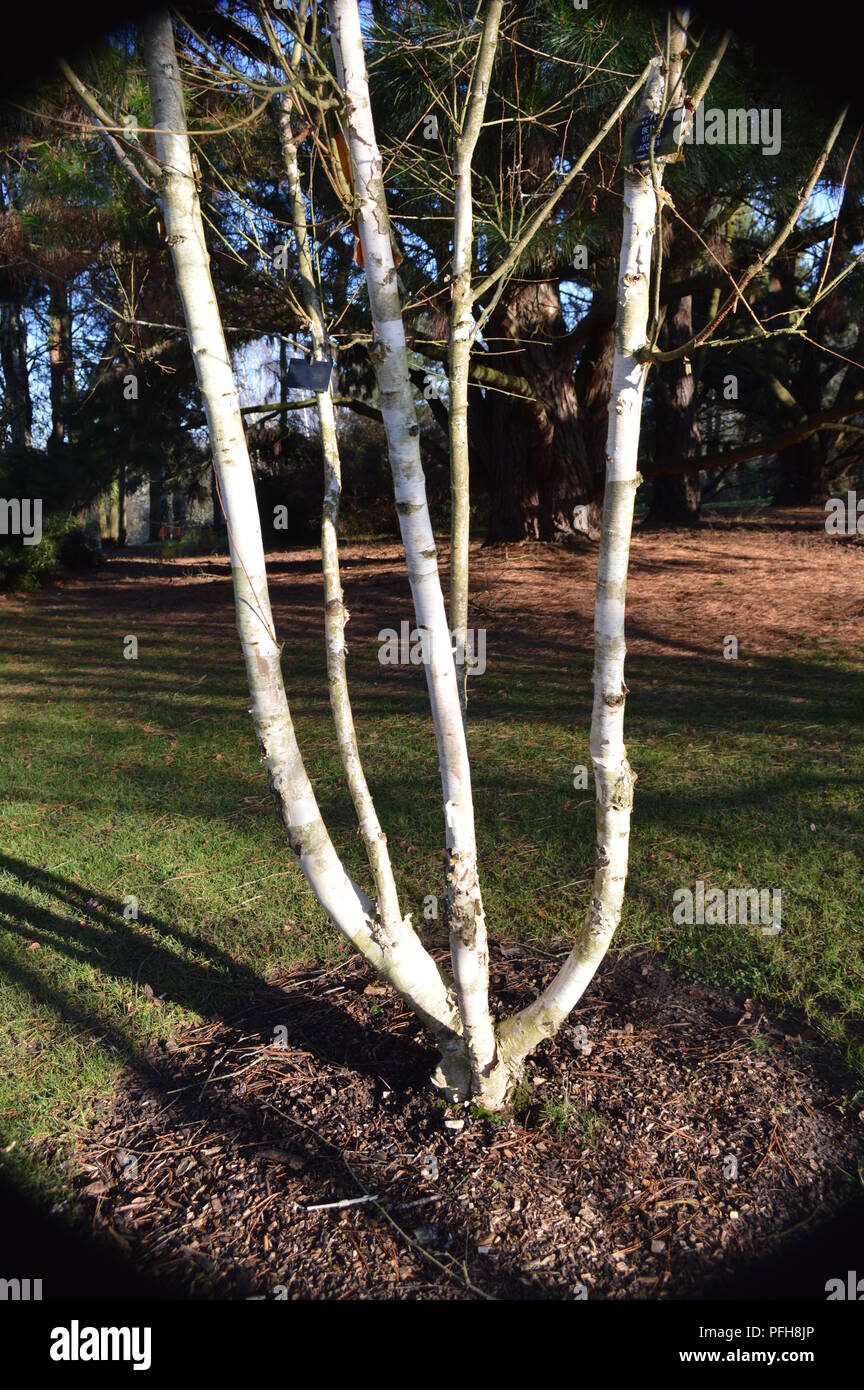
<point x="403" y="962"/>
<point x="478" y="1057"/>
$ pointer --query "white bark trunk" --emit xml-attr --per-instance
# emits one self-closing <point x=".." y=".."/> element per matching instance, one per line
<point x="463" y="902"/>
<point x="404" y="963"/>
<point x="613" y="776"/>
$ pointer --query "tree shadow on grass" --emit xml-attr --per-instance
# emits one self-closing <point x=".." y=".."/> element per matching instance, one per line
<point x="275" y="1020"/>
<point x="175" y="963"/>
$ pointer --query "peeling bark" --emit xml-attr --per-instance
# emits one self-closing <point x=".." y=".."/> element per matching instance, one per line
<point x="463" y="906"/>
<point x="404" y="964"/>
<point x="613" y="776"/>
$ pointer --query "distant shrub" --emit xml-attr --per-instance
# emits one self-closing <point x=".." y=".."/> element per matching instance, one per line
<point x="195" y="540"/>
<point x="29" y="566"/>
<point x="80" y="550"/>
<point x="62" y="483"/>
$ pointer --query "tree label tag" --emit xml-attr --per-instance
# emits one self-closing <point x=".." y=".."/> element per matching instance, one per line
<point x="308" y="376"/>
<point x="637" y="137"/>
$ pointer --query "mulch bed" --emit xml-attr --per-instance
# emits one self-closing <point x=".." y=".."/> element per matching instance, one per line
<point x="614" y="1180"/>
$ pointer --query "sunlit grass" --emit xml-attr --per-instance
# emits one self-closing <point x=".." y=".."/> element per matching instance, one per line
<point x="140" y="780"/>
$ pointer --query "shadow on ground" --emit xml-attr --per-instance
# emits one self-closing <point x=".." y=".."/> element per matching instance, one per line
<point x="200" y="1176"/>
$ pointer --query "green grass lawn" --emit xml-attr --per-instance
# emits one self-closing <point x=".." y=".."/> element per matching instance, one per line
<point x="140" y="779"/>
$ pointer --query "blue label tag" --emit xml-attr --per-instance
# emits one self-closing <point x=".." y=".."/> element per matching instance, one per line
<point x="637" y="138"/>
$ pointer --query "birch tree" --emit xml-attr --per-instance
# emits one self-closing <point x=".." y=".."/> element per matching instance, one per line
<point x="481" y="1055"/>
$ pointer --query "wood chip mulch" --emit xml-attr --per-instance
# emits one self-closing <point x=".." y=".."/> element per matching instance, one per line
<point x="670" y="1136"/>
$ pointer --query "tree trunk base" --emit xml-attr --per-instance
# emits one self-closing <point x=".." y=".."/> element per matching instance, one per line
<point x="452" y="1076"/>
<point x="454" y="1082"/>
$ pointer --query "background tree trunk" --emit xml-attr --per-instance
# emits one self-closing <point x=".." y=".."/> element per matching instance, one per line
<point x="535" y="465"/>
<point x="155" y="500"/>
<point x="802" y="474"/>
<point x="13" y="359"/>
<point x="676" y="501"/>
<point x="60" y="361"/>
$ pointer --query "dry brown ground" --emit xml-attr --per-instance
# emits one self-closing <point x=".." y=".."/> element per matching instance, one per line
<point x="775" y="587"/>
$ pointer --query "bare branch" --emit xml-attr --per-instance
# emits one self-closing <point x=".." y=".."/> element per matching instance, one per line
<point x="761" y="262"/>
<point x="554" y="198"/>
